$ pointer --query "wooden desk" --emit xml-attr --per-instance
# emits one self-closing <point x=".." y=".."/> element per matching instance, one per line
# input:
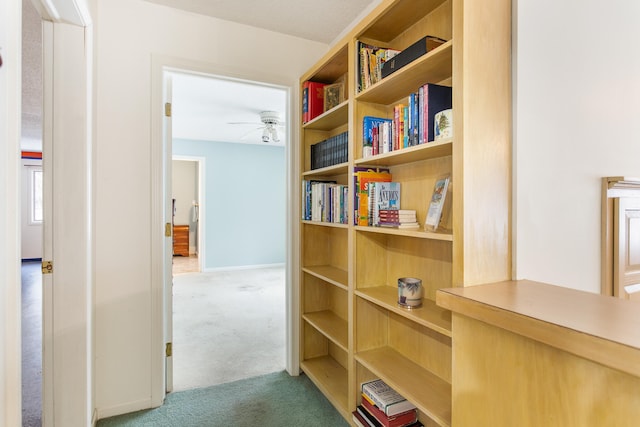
<point x="532" y="354"/>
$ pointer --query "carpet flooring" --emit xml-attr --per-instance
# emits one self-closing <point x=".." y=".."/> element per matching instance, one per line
<point x="228" y="325"/>
<point x="271" y="400"/>
<point x="31" y="344"/>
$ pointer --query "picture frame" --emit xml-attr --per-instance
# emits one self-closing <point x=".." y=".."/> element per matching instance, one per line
<point x="436" y="202"/>
<point x="333" y="95"/>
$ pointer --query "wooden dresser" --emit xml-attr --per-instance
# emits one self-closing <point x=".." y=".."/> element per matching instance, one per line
<point x="181" y="240"/>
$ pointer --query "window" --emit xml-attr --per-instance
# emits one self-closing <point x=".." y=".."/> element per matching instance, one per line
<point x="35" y="195"/>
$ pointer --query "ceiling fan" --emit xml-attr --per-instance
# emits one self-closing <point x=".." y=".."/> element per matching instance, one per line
<point x="270" y="122"/>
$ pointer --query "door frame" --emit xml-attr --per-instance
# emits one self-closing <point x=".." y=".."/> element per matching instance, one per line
<point x="159" y="65"/>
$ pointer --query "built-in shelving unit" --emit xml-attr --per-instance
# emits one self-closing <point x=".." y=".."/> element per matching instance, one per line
<point x="352" y="329"/>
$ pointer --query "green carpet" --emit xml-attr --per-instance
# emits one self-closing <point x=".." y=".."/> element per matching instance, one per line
<point x="272" y="400"/>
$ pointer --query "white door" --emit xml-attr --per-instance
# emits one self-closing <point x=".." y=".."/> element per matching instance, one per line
<point x="168" y="244"/>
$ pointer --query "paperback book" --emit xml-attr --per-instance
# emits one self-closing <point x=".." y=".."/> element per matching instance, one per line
<point x="382" y="196"/>
<point x="436" y="204"/>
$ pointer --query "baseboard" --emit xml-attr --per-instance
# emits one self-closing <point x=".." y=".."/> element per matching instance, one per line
<point x="243" y="267"/>
<point x="124" y="409"/>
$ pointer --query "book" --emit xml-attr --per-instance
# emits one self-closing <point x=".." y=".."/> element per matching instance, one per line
<point x="370" y="62"/>
<point x="436" y="203"/>
<point x="398" y="420"/>
<point x="436" y="98"/>
<point x="371" y="127"/>
<point x="333" y="95"/>
<point x="384" y="397"/>
<point x="410" y="54"/>
<point x="383" y="196"/>
<point x="312" y="100"/>
<point x="363" y="180"/>
<point x="358" y="420"/>
<point x="357" y="170"/>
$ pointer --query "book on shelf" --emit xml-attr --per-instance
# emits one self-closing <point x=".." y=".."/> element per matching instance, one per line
<point x="403" y="218"/>
<point x="386" y="398"/>
<point x="382" y="195"/>
<point x="374" y="131"/>
<point x="363" y="178"/>
<point x="436" y="203"/>
<point x="357" y="170"/>
<point x="410" y="54"/>
<point x="312" y="100"/>
<point x="435" y="99"/>
<point x="333" y="95"/>
<point x="331" y="151"/>
<point x="370" y="61"/>
<point x="399" y="420"/>
<point x="324" y="201"/>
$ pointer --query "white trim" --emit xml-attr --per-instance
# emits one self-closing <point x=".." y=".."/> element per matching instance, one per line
<point x="244" y="267"/>
<point x="160" y="64"/>
<point x="123" y="409"/>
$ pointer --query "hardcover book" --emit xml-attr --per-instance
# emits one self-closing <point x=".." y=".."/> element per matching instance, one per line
<point x="312" y="100"/>
<point x="438" y="196"/>
<point x="410" y="54"/>
<point x="399" y="420"/>
<point x="436" y="98"/>
<point x="371" y="127"/>
<point x="387" y="399"/>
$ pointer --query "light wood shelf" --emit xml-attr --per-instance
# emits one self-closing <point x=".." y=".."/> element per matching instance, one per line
<point x="331" y="378"/>
<point x="429" y="315"/>
<point x="351" y="326"/>
<point x="330" y="325"/>
<point x="430" y="394"/>
<point x="416" y="153"/>
<point x="417" y="233"/>
<point x="328" y="273"/>
<point x="337" y="116"/>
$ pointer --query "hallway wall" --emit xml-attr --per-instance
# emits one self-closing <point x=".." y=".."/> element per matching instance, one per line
<point x="129" y="34"/>
<point x="245" y="202"/>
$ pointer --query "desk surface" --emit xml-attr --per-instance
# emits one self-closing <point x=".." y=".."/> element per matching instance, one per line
<point x="600" y="328"/>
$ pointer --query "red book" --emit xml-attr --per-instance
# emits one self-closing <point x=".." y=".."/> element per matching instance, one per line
<point x="312" y="100"/>
<point x="399" y="420"/>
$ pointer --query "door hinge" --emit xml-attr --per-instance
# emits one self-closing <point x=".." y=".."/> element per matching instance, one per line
<point x="47" y="267"/>
<point x="167" y="230"/>
<point x="168" y="351"/>
<point x="167" y="109"/>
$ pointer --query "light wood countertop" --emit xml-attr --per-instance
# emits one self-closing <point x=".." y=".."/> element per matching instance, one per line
<point x="603" y="329"/>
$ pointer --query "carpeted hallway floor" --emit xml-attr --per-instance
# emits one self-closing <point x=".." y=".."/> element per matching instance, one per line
<point x="228" y="325"/>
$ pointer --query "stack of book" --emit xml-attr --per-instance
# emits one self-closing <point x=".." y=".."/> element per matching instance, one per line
<point x="383" y="406"/>
<point x="362" y="178"/>
<point x="399" y="218"/>
<point x="331" y="151"/>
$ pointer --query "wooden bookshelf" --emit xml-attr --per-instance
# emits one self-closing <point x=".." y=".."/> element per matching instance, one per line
<point x="352" y="329"/>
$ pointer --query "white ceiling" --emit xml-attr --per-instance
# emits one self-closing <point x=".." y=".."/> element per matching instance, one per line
<point x="203" y="107"/>
<point x="318" y="20"/>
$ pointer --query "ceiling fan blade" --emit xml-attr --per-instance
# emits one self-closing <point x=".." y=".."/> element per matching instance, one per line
<point x="246" y="134"/>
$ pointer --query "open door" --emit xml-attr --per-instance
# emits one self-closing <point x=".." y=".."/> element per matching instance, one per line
<point x="168" y="243"/>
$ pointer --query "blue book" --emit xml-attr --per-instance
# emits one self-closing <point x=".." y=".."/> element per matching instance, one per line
<point x="369" y="123"/>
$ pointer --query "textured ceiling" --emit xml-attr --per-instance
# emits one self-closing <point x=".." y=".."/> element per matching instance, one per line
<point x="204" y="107"/>
<point x="319" y="20"/>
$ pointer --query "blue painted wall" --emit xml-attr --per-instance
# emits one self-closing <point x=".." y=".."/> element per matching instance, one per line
<point x="245" y="202"/>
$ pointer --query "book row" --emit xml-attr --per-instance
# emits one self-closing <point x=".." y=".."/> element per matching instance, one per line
<point x="331" y="151"/>
<point x="413" y="122"/>
<point x="325" y="202"/>
<point x="376" y="63"/>
<point x="318" y="97"/>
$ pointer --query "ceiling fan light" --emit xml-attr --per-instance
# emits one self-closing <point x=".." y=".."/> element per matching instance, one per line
<point x="274" y="134"/>
<point x="265" y="134"/>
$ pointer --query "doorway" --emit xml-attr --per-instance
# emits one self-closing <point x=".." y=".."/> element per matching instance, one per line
<point x="235" y="307"/>
<point x="187" y="183"/>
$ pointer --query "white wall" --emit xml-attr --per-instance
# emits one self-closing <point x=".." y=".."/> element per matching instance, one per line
<point x="10" y="84"/>
<point x="129" y="33"/>
<point x="576" y="117"/>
